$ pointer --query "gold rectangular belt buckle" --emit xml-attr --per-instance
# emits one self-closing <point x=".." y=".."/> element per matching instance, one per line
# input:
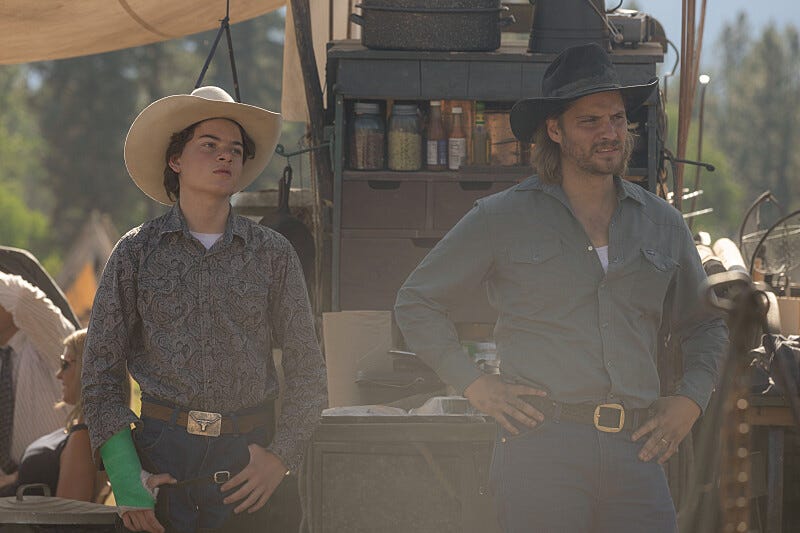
<point x="205" y="424"/>
<point x="609" y="429"/>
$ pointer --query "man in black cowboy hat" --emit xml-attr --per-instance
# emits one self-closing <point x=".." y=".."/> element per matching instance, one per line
<point x="582" y="266"/>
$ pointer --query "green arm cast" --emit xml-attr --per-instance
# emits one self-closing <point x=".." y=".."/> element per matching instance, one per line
<point x="124" y="471"/>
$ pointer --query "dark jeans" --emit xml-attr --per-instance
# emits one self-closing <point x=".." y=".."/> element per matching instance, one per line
<point x="563" y="476"/>
<point x="165" y="447"/>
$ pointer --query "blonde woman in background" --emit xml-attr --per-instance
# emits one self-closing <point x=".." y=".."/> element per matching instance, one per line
<point x="62" y="459"/>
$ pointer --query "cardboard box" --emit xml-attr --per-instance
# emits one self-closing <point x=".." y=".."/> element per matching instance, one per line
<point x="354" y="340"/>
<point x="790" y="315"/>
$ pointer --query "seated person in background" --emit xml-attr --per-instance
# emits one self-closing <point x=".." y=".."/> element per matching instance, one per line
<point x="32" y="329"/>
<point x="62" y="459"/>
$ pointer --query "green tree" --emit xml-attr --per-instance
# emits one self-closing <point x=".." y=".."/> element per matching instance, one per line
<point x="23" y="200"/>
<point x="84" y="107"/>
<point x="756" y="116"/>
<point x="723" y="190"/>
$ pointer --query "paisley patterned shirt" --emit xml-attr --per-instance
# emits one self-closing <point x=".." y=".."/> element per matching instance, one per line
<point x="196" y="327"/>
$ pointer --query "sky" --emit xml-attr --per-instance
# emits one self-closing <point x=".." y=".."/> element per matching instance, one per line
<point x="718" y="14"/>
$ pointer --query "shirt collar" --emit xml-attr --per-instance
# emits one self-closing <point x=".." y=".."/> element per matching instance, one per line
<point x="625" y="189"/>
<point x="175" y="222"/>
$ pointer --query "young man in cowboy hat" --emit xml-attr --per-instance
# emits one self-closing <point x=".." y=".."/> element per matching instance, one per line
<point x="190" y="303"/>
<point x="582" y="266"/>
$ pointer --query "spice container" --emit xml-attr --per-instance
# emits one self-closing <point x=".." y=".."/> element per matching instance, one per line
<point x="436" y="145"/>
<point x="456" y="142"/>
<point x="367" y="137"/>
<point x="405" y="138"/>
<point x="480" y="138"/>
<point x="505" y="149"/>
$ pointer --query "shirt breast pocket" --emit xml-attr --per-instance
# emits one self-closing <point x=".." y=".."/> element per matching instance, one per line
<point x="536" y="268"/>
<point x="653" y="280"/>
<point x="246" y="301"/>
<point x="160" y="301"/>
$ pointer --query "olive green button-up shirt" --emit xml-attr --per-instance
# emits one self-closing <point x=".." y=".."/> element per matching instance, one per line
<point x="565" y="324"/>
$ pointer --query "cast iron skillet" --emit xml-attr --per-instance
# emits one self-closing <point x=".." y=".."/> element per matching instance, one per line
<point x="292" y="227"/>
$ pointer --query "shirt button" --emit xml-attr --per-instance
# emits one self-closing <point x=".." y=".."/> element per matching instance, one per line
<point x="590" y="248"/>
<point x="610" y="363"/>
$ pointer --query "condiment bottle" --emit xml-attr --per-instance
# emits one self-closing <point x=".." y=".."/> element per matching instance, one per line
<point x="456" y="142"/>
<point x="480" y="138"/>
<point x="436" y="142"/>
<point x="367" y="142"/>
<point x="405" y="138"/>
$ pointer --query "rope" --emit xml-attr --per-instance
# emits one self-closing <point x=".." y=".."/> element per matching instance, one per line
<point x="223" y="27"/>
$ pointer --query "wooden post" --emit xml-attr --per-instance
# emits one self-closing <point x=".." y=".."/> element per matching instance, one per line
<point x="320" y="159"/>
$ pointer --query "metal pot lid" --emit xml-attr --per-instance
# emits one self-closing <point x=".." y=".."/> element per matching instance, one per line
<point x="54" y="511"/>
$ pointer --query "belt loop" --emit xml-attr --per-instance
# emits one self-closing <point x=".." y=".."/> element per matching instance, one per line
<point x="235" y="420"/>
<point x="173" y="420"/>
<point x="556" y="411"/>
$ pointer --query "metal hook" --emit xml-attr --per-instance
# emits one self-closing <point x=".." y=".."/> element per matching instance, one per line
<point x="280" y="150"/>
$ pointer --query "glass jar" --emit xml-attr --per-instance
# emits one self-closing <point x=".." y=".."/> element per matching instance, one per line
<point x="405" y="138"/>
<point x="367" y="137"/>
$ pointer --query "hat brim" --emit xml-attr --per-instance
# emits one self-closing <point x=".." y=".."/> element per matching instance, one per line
<point x="528" y="114"/>
<point x="149" y="136"/>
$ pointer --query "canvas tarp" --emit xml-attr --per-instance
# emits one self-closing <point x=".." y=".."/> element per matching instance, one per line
<point x="54" y="29"/>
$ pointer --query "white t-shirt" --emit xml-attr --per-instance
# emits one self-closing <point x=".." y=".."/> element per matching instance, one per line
<point x="207" y="239"/>
<point x="602" y="254"/>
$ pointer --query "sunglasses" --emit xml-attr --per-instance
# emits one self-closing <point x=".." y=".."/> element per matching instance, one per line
<point x="65" y="364"/>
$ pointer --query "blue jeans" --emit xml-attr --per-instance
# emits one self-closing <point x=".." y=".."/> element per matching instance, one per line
<point x="569" y="477"/>
<point x="167" y="447"/>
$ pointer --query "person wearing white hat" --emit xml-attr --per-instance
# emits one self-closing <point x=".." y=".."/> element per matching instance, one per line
<point x="192" y="304"/>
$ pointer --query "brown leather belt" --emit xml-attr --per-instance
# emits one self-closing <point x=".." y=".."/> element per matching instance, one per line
<point x="211" y="424"/>
<point x="606" y="417"/>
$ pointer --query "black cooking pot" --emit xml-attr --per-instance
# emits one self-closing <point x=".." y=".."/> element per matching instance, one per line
<point x="559" y="24"/>
<point x="447" y="25"/>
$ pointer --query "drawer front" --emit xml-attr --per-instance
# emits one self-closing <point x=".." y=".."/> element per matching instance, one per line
<point x="451" y="201"/>
<point x="373" y="270"/>
<point x="383" y="204"/>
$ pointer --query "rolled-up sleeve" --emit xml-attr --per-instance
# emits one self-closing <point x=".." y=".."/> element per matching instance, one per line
<point x="459" y="262"/>
<point x="104" y="375"/>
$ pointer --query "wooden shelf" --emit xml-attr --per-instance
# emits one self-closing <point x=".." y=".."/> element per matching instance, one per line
<point x="467" y="174"/>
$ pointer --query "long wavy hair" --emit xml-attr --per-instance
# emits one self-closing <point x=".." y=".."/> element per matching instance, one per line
<point x="546" y="153"/>
<point x="75" y="343"/>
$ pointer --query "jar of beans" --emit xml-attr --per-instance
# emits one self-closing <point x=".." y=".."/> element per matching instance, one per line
<point x="405" y="138"/>
<point x="367" y="137"/>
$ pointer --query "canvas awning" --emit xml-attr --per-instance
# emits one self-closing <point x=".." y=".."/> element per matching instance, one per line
<point x="44" y="30"/>
<point x="41" y="30"/>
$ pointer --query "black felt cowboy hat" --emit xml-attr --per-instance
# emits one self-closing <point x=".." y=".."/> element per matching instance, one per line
<point x="577" y="71"/>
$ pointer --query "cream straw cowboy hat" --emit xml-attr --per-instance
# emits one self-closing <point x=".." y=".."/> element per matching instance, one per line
<point x="148" y="139"/>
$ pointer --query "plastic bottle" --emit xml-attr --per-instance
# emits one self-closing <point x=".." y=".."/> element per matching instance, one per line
<point x="456" y="142"/>
<point x="436" y="142"/>
<point x="480" y="138"/>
